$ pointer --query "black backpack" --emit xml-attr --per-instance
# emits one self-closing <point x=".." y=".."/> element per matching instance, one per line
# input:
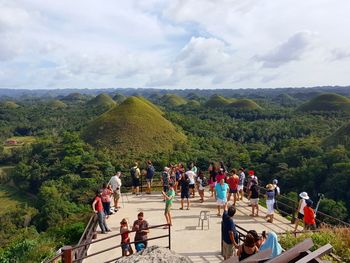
<point x="133" y="172"/>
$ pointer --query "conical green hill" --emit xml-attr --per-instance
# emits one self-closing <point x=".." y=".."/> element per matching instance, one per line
<point x="217" y="101"/>
<point x="151" y="105"/>
<point x="339" y="137"/>
<point x="10" y="104"/>
<point x="102" y="100"/>
<point x="119" y="98"/>
<point x="173" y="100"/>
<point x="327" y="102"/>
<point x="194" y="103"/>
<point x="245" y="104"/>
<point x="57" y="104"/>
<point x="133" y="127"/>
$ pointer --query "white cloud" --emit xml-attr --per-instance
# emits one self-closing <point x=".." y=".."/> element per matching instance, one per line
<point x="177" y="43"/>
<point x="290" y="50"/>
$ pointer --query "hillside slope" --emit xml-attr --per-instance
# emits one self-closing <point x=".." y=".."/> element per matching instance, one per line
<point x="327" y="102"/>
<point x="102" y="100"/>
<point x="133" y="126"/>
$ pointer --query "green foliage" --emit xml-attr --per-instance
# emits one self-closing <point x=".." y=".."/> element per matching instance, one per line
<point x="327" y="102"/>
<point x="173" y="100"/>
<point x="338" y="238"/>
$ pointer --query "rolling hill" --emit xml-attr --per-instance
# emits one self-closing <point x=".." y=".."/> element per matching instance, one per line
<point x="172" y="100"/>
<point x="119" y="98"/>
<point x="327" y="102"/>
<point x="10" y="104"/>
<point x="135" y="126"/>
<point x="217" y="101"/>
<point x="244" y="104"/>
<point x="102" y="100"/>
<point x="57" y="104"/>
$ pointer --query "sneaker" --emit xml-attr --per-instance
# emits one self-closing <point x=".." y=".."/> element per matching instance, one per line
<point x="108" y="230"/>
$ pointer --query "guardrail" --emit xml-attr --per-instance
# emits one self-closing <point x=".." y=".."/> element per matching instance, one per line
<point x="78" y="253"/>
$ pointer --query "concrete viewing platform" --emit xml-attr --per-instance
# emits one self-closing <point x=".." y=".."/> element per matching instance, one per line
<point x="186" y="237"/>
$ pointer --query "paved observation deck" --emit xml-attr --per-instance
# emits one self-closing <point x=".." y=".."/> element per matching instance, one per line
<point x="186" y="237"/>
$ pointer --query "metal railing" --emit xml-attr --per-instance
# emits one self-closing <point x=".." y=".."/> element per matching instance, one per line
<point x="78" y="253"/>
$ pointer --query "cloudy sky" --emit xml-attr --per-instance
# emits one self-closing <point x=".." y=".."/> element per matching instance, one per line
<point x="174" y="43"/>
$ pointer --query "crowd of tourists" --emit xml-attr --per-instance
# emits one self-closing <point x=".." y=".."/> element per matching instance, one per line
<point x="227" y="187"/>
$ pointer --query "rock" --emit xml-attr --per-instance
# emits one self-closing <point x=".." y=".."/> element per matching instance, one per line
<point x="155" y="254"/>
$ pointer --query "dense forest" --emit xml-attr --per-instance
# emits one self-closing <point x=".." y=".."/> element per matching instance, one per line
<point x="299" y="136"/>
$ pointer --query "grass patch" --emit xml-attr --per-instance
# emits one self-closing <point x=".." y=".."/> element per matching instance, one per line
<point x="21" y="141"/>
<point x="10" y="198"/>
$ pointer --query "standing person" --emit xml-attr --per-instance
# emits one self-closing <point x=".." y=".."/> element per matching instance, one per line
<point x="270" y="200"/>
<point x="229" y="233"/>
<point x="97" y="207"/>
<point x="248" y="248"/>
<point x="192" y="176"/>
<point x="212" y="177"/>
<point x="271" y="242"/>
<point x="165" y="179"/>
<point x="277" y="192"/>
<point x="135" y="176"/>
<point x="141" y="227"/>
<point x="125" y="238"/>
<point x="116" y="184"/>
<point x="309" y="216"/>
<point x="221" y="190"/>
<point x="254" y="197"/>
<point x="106" y="199"/>
<point x="193" y="168"/>
<point x="241" y="183"/>
<point x="232" y="182"/>
<point x="169" y="198"/>
<point x="220" y="175"/>
<point x="202" y="183"/>
<point x="185" y="188"/>
<point x="149" y="176"/>
<point x="223" y="166"/>
<point x="302" y="203"/>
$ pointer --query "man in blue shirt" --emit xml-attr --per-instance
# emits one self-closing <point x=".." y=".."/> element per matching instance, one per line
<point x="229" y="233"/>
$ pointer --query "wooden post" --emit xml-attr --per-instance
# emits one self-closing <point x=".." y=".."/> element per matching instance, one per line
<point x="67" y="254"/>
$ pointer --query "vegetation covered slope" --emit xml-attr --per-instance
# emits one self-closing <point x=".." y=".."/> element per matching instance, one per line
<point x="102" y="100"/>
<point x="57" y="104"/>
<point x="173" y="100"/>
<point x="133" y="126"/>
<point x="119" y="98"/>
<point x="245" y="104"/>
<point x="327" y="102"/>
<point x="217" y="101"/>
<point x="10" y="104"/>
<point x="339" y="137"/>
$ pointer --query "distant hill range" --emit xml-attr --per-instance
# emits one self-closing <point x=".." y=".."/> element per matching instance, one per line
<point x="217" y="101"/>
<point x="327" y="102"/>
<point x="339" y="137"/>
<point x="135" y="126"/>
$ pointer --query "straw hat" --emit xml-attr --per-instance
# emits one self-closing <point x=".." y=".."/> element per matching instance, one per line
<point x="304" y="195"/>
<point x="270" y="187"/>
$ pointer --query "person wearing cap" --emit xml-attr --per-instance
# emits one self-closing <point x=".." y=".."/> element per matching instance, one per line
<point x="97" y="207"/>
<point x="270" y="200"/>
<point x="116" y="184"/>
<point x="141" y="227"/>
<point x="309" y="216"/>
<point x="302" y="203"/>
<point x="254" y="197"/>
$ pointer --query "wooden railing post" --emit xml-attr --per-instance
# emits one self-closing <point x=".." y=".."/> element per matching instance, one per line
<point x="67" y="254"/>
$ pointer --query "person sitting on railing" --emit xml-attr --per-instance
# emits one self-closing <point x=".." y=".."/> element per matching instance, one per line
<point x="309" y="216"/>
<point x="248" y="248"/>
<point x="97" y="207"/>
<point x="125" y="242"/>
<point x="271" y="241"/>
<point x="141" y="227"/>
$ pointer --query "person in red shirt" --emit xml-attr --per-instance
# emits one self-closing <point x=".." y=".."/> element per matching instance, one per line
<point x="232" y="182"/>
<point x="97" y="207"/>
<point x="309" y="216"/>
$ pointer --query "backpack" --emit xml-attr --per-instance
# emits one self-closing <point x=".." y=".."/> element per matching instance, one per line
<point x="133" y="172"/>
<point x="204" y="182"/>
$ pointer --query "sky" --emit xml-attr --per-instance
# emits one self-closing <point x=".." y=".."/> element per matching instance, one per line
<point x="174" y="44"/>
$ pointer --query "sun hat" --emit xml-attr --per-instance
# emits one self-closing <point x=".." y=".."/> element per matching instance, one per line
<point x="304" y="195"/>
<point x="270" y="187"/>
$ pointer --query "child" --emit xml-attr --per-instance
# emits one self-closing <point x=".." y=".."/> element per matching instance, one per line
<point x="125" y="242"/>
<point x="309" y="216"/>
<point x="169" y="196"/>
